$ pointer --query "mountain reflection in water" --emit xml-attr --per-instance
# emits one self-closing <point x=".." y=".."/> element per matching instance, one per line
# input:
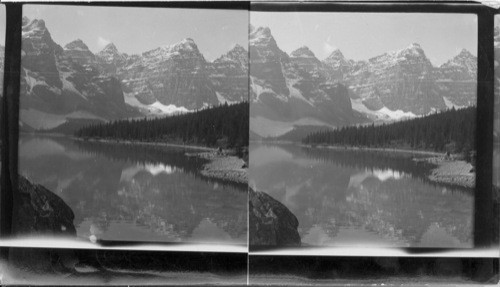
<point x="362" y="198"/>
<point x="136" y="192"/>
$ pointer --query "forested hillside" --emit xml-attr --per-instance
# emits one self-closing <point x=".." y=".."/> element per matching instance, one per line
<point x="452" y="131"/>
<point x="221" y="126"/>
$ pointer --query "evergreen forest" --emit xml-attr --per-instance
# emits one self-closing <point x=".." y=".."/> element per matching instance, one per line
<point x="450" y="131"/>
<point x="223" y="126"/>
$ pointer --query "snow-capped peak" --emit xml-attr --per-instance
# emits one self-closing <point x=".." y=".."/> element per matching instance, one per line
<point x="464" y="53"/>
<point x="465" y="60"/>
<point x="414" y="49"/>
<point x="237" y="52"/>
<point x="335" y="55"/>
<point x="187" y="44"/>
<point x="111" y="48"/>
<point x="186" y="47"/>
<point x="77" y="44"/>
<point x="302" y="52"/>
<point x="414" y="46"/>
<point x="33" y="25"/>
<point x="261" y="36"/>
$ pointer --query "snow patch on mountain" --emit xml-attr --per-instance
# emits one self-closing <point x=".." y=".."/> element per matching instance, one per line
<point x="258" y="88"/>
<point x="294" y="92"/>
<point x="31" y="81"/>
<point x="449" y="104"/>
<point x="223" y="100"/>
<point x="383" y="114"/>
<point x="158" y="107"/>
<point x="396" y="115"/>
<point x="67" y="85"/>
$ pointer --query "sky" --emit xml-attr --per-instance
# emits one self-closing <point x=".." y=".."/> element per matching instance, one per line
<point x="137" y="30"/>
<point x="360" y="36"/>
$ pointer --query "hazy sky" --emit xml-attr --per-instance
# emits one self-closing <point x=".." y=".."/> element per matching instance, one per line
<point x="136" y="30"/>
<point x="361" y="36"/>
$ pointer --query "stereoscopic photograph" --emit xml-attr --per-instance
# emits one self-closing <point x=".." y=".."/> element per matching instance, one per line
<point x="134" y="124"/>
<point x="362" y="129"/>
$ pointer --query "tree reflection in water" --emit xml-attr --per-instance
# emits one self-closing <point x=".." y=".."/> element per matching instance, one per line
<point x="363" y="198"/>
<point x="132" y="192"/>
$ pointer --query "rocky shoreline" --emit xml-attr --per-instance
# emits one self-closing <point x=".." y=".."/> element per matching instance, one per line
<point x="224" y="166"/>
<point x="451" y="171"/>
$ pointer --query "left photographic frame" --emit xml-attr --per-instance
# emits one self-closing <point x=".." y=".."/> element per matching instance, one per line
<point x="153" y="197"/>
<point x="133" y="126"/>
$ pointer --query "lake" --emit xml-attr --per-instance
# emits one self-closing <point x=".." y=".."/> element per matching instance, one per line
<point x="136" y="192"/>
<point x="363" y="198"/>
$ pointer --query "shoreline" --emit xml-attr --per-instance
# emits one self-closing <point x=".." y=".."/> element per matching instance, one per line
<point x="398" y="150"/>
<point x="451" y="171"/>
<point x="224" y="166"/>
<point x="129" y="142"/>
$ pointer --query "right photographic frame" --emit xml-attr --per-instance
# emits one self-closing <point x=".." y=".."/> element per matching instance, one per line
<point x="364" y="128"/>
<point x="371" y="143"/>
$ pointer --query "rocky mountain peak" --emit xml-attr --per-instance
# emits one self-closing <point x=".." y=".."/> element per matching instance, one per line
<point x="237" y="54"/>
<point x="187" y="44"/>
<point x="110" y="48"/>
<point x="302" y="52"/>
<point x="26" y="21"/>
<point x="34" y="28"/>
<point x="35" y="24"/>
<point x="77" y="45"/>
<point x="413" y="50"/>
<point x="336" y="55"/>
<point x="261" y="37"/>
<point x="238" y="49"/>
<point x="464" y="60"/>
<point x="464" y="53"/>
<point x="414" y="46"/>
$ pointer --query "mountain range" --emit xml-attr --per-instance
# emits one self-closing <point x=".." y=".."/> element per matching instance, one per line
<point x="297" y="89"/>
<point x="62" y="83"/>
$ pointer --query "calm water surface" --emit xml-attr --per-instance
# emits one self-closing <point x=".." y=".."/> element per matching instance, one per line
<point x="136" y="193"/>
<point x="362" y="198"/>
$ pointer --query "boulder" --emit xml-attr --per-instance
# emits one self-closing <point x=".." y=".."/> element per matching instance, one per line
<point x="270" y="222"/>
<point x="39" y="211"/>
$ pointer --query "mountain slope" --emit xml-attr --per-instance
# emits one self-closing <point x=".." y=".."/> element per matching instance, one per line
<point x="72" y="82"/>
<point x="292" y="89"/>
<point x="287" y="89"/>
<point x="57" y="83"/>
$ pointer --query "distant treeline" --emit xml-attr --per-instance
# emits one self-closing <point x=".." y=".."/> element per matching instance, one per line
<point x="220" y="126"/>
<point x="449" y="131"/>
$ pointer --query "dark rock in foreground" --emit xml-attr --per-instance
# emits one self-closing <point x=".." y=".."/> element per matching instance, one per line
<point x="39" y="211"/>
<point x="270" y="222"/>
